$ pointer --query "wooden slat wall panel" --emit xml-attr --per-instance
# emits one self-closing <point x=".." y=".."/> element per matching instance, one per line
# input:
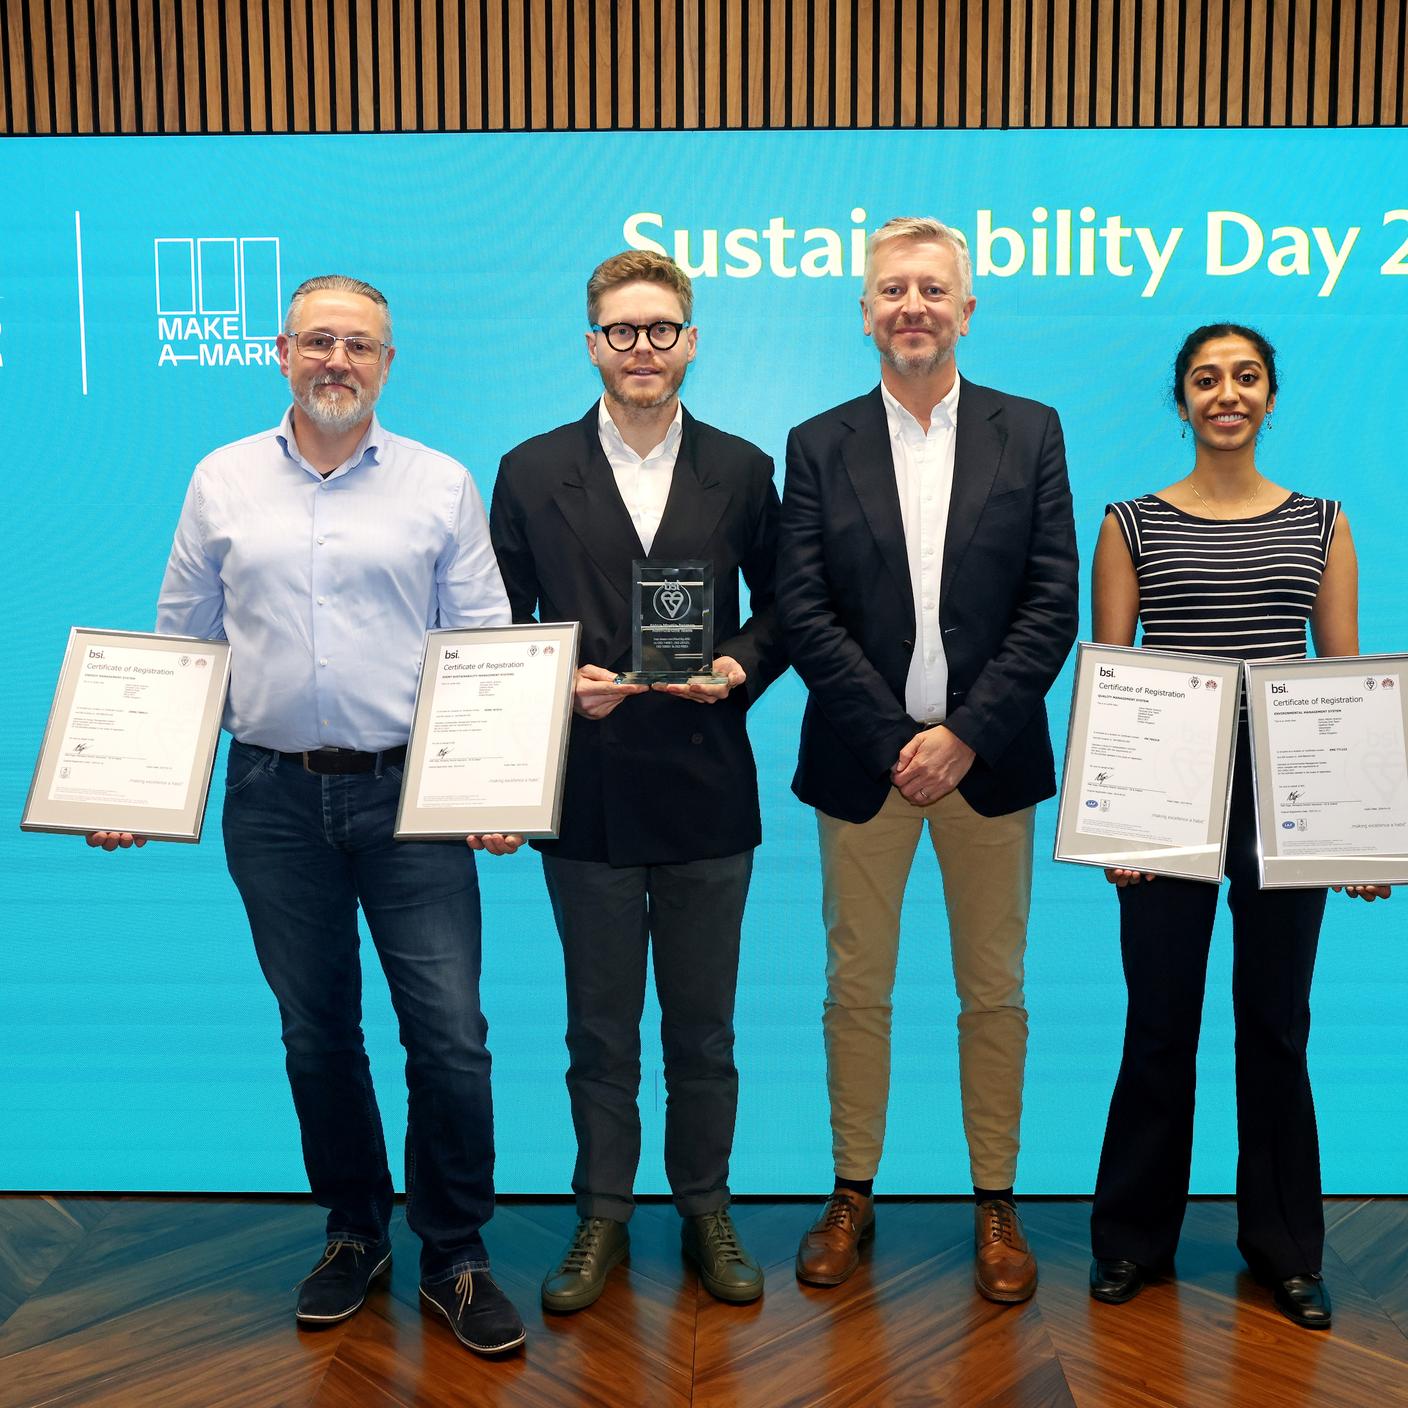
<point x="102" y="66"/>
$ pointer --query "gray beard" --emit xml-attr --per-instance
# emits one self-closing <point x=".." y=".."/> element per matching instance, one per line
<point x="916" y="366"/>
<point x="329" y="415"/>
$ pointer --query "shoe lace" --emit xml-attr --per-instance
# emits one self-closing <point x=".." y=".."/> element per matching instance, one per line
<point x="719" y="1232"/>
<point x="330" y="1254"/>
<point x="585" y="1241"/>
<point x="840" y="1212"/>
<point x="1001" y="1223"/>
<point x="464" y="1288"/>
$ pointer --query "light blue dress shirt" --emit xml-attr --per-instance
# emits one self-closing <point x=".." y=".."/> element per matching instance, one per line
<point x="325" y="587"/>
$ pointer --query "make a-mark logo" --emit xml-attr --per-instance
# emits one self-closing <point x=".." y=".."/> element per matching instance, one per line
<point x="219" y="301"/>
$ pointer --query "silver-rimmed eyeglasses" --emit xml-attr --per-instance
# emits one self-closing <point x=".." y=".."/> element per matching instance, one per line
<point x="319" y="345"/>
<point x="623" y="337"/>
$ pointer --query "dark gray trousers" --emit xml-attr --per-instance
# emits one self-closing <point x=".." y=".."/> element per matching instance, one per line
<point x="609" y="918"/>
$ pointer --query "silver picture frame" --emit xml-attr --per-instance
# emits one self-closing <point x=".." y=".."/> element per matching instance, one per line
<point x="1147" y="780"/>
<point x="489" y="736"/>
<point x="130" y="740"/>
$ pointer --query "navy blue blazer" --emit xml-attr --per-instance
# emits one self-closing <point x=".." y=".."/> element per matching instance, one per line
<point x="1008" y="605"/>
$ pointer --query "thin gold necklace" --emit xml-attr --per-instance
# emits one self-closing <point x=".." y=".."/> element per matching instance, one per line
<point x="1246" y="503"/>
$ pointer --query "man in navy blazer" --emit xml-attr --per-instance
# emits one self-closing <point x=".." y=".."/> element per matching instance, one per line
<point x="927" y="591"/>
<point x="660" y="808"/>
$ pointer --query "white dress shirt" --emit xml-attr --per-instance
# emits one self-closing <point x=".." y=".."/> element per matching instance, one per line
<point x="644" y="480"/>
<point x="924" y="478"/>
<point x="325" y="587"/>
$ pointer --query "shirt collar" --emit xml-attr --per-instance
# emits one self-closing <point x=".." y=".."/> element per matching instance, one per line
<point x="945" y="414"/>
<point x="612" y="440"/>
<point x="371" y="446"/>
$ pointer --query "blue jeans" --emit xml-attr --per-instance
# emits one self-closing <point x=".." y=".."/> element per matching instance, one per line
<point x="304" y="851"/>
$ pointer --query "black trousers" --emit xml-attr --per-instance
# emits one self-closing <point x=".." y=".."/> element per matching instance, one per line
<point x="1165" y="930"/>
<point x="609" y="919"/>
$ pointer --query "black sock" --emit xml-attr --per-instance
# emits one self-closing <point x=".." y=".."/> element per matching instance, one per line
<point x="863" y="1186"/>
<point x="991" y="1195"/>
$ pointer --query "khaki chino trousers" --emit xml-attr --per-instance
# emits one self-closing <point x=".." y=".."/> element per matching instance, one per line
<point x="986" y="864"/>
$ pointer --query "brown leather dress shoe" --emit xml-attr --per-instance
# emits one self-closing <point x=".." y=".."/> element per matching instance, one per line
<point x="1006" y="1268"/>
<point x="830" y="1248"/>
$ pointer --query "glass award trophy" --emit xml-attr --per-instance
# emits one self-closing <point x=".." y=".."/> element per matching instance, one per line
<point x="672" y="623"/>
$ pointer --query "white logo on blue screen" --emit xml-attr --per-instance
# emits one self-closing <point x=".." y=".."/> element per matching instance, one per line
<point x="219" y="301"/>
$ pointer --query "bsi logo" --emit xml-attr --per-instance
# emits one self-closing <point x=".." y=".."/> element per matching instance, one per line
<point x="219" y="300"/>
<point x="1107" y="672"/>
<point x="1279" y="689"/>
<point x="94" y="654"/>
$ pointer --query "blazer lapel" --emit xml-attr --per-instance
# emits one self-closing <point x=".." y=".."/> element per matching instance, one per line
<point x="696" y="503"/>
<point x="870" y="465"/>
<point x="979" y="442"/>
<point x="591" y="505"/>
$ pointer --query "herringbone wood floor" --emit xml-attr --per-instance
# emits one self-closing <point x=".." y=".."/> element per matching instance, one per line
<point x="177" y="1302"/>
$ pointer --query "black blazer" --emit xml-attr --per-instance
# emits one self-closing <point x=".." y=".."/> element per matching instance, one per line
<point x="1007" y="600"/>
<point x="659" y="780"/>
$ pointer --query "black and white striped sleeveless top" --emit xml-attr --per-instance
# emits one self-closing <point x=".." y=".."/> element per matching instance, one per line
<point x="1237" y="587"/>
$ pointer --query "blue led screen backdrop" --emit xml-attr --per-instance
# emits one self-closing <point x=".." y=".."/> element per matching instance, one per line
<point x="142" y="283"/>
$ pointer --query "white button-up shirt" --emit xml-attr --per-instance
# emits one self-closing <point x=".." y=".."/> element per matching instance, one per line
<point x="644" y="480"/>
<point x="924" y="478"/>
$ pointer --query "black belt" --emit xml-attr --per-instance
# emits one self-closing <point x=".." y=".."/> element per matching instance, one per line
<point x="339" y="761"/>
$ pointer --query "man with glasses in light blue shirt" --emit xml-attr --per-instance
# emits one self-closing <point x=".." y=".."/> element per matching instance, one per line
<point x="323" y="550"/>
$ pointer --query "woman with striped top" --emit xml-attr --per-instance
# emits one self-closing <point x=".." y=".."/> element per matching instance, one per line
<point x="1224" y="562"/>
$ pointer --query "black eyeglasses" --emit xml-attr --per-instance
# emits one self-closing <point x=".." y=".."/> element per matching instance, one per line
<point x="319" y="345"/>
<point x="623" y="336"/>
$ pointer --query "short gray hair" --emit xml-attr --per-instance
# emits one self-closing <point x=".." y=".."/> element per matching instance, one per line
<point x="338" y="283"/>
<point x="925" y="229"/>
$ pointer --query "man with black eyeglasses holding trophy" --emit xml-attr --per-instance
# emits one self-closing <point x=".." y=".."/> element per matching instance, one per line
<point x="636" y="521"/>
<point x="322" y="550"/>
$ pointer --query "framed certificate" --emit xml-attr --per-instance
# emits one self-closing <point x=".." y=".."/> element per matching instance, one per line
<point x="131" y="737"/>
<point x="1148" y="774"/>
<point x="488" y="744"/>
<point x="1330" y="770"/>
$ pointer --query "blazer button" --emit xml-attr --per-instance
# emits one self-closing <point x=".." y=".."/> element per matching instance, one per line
<point x="907" y="644"/>
<point x="696" y="738"/>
